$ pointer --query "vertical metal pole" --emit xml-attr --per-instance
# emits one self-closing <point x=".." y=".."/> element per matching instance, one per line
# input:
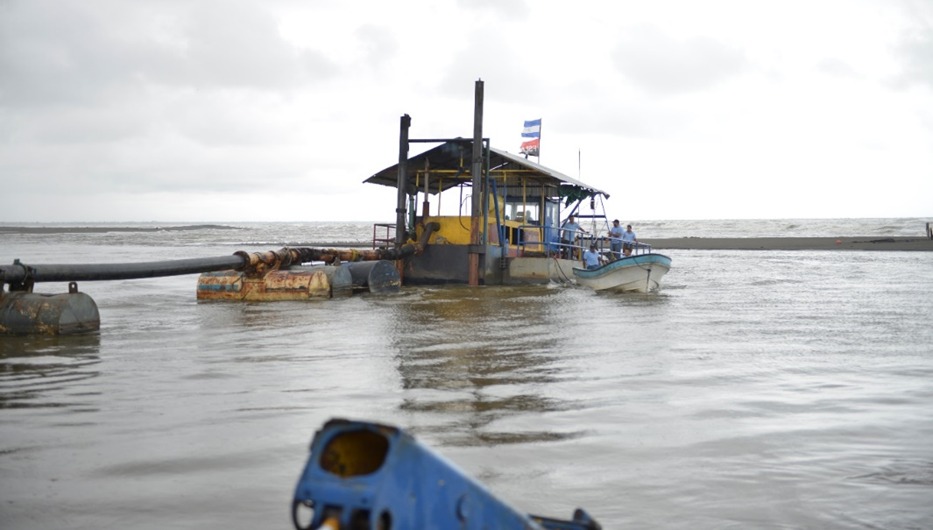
<point x="402" y="181"/>
<point x="487" y="153"/>
<point x="540" y="130"/>
<point x="476" y="170"/>
<point x="426" y="205"/>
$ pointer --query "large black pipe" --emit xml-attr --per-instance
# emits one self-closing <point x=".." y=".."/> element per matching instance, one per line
<point x="19" y="273"/>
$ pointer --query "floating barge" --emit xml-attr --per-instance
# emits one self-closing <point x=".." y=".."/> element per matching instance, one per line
<point x="510" y="234"/>
<point x="511" y="231"/>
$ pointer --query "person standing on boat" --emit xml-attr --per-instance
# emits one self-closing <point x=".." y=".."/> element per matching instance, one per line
<point x="568" y="236"/>
<point x="591" y="258"/>
<point x="628" y="240"/>
<point x="615" y="240"/>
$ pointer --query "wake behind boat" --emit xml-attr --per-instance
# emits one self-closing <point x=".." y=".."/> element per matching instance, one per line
<point x="640" y="273"/>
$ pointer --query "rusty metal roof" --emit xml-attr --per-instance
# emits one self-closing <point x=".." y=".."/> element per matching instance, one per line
<point x="449" y="166"/>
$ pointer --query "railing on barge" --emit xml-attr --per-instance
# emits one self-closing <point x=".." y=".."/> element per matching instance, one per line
<point x="389" y="239"/>
<point x="556" y="247"/>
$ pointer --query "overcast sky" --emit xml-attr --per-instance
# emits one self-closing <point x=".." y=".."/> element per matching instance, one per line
<point x="242" y="110"/>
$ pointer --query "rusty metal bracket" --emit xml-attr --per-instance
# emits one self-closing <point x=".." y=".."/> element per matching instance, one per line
<point x="26" y="283"/>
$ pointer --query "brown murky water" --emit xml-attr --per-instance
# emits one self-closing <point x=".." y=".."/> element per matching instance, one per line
<point x="757" y="390"/>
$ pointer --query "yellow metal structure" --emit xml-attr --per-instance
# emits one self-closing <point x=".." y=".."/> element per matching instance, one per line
<point x="522" y="239"/>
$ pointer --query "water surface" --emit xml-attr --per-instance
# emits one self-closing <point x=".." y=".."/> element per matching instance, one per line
<point x="756" y="390"/>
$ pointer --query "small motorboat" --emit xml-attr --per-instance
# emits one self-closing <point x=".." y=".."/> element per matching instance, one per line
<point x="641" y="273"/>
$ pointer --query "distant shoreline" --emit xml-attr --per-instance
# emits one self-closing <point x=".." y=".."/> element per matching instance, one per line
<point x="105" y="229"/>
<point x="793" y="243"/>
<point x="874" y="243"/>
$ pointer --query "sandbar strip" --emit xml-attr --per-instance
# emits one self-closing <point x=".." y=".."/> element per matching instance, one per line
<point x="792" y="243"/>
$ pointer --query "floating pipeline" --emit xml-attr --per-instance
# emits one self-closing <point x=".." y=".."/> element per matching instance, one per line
<point x="363" y="475"/>
<point x="271" y="276"/>
<point x="23" y="312"/>
<point x="21" y="277"/>
<point x="258" y="276"/>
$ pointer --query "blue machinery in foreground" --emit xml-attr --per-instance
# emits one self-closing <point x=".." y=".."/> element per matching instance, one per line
<point x="367" y="476"/>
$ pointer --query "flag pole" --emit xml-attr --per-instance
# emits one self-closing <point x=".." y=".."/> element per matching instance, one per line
<point x="540" y="126"/>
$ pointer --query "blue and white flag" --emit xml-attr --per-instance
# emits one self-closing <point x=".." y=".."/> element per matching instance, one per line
<point x="532" y="129"/>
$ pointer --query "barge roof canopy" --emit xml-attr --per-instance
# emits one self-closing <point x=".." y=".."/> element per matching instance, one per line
<point x="449" y="165"/>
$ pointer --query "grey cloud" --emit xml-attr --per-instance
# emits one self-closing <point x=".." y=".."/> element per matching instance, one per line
<point x="234" y="44"/>
<point x="660" y="64"/>
<point x="917" y="53"/>
<point x="59" y="53"/>
<point x="913" y="49"/>
<point x="74" y="52"/>
<point x="487" y="55"/>
<point x="76" y="125"/>
<point x="378" y="43"/>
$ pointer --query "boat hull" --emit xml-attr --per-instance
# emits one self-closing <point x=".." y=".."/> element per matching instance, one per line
<point x="641" y="273"/>
<point x="447" y="264"/>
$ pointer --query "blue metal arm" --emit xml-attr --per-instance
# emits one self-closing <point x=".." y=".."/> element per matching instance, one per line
<point x="370" y="476"/>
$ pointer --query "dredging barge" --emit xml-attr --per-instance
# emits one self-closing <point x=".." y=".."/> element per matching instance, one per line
<point x="510" y="235"/>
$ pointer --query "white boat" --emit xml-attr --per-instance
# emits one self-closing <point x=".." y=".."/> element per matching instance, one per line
<point x="641" y="273"/>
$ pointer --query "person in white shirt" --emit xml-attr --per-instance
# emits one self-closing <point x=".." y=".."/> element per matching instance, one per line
<point x="628" y="241"/>
<point x="615" y="240"/>
<point x="568" y="236"/>
<point x="591" y="258"/>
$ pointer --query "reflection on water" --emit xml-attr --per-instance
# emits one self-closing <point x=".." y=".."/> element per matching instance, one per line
<point x="472" y="357"/>
<point x="903" y="472"/>
<point x="33" y="366"/>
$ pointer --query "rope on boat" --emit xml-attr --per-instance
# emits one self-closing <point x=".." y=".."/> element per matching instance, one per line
<point x="560" y="270"/>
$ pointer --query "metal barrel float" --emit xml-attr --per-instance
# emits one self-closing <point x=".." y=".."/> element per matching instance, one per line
<point x="23" y="313"/>
<point x="363" y="475"/>
<point x="380" y="276"/>
<point x="296" y="283"/>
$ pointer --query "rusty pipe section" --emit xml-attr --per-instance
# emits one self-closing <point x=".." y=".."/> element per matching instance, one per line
<point x="260" y="263"/>
<point x="332" y="255"/>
